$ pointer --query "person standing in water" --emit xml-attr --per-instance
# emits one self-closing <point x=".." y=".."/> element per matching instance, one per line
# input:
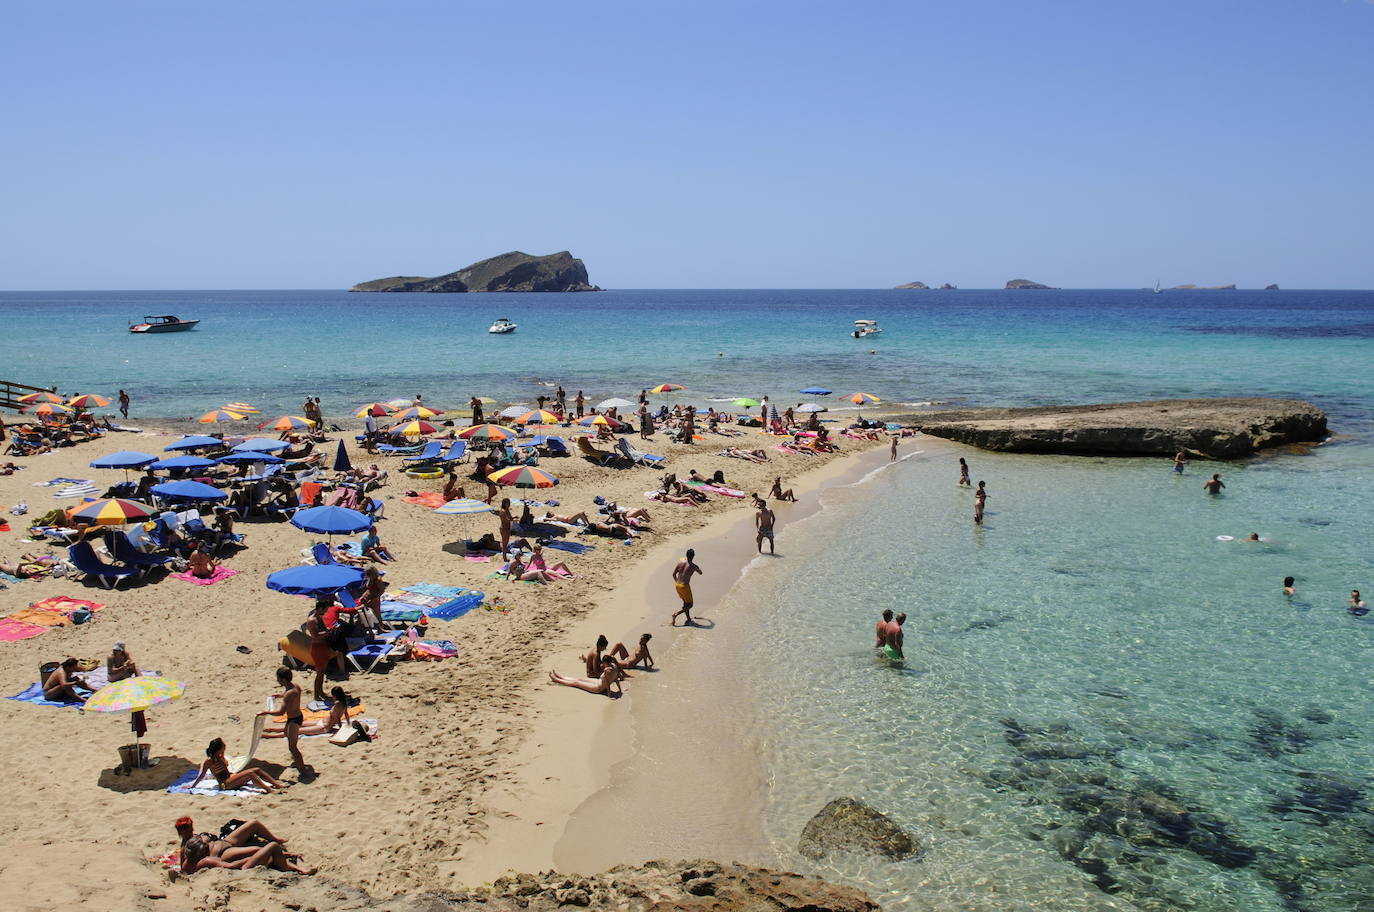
<point x="764" y="520"/>
<point x="895" y="637"/>
<point x="1179" y="459"/>
<point x="1213" y="485"/>
<point x="882" y="628"/>
<point x="963" y="474"/>
<point x="124" y="403"/>
<point x="892" y="454"/>
<point x="1288" y="588"/>
<point x="682" y="582"/>
<point x="1357" y="605"/>
<point x="980" y="498"/>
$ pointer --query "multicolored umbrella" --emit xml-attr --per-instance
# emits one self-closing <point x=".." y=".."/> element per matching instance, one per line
<point x="810" y="407"/>
<point x="135" y="694"/>
<point x="487" y="432"/>
<point x="746" y="402"/>
<point x="465" y="506"/>
<point x="666" y="388"/>
<point x="242" y="407"/>
<point x="417" y="411"/>
<point x="292" y="423"/>
<point x="862" y="398"/>
<point x="523" y="477"/>
<point x="537" y="416"/>
<point x="113" y="511"/>
<point x="375" y="409"/>
<point x="221" y="415"/>
<point x="50" y="408"/>
<point x="90" y="400"/>
<point x="598" y="420"/>
<point x="40" y="397"/>
<point x="413" y="428"/>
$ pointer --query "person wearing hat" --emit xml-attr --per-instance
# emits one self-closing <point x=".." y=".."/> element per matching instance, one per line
<point x="119" y="664"/>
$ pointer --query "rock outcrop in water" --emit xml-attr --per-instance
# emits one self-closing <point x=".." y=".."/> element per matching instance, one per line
<point x="850" y="826"/>
<point x="657" y="886"/>
<point x="1271" y="288"/>
<point x="513" y="271"/>
<point x="920" y="286"/>
<point x="1021" y="284"/>
<point x="1216" y="428"/>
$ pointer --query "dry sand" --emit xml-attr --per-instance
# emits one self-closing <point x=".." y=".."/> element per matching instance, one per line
<point x="411" y="810"/>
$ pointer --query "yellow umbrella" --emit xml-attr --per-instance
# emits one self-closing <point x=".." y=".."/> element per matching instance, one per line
<point x="666" y="388"/>
<point x="110" y="512"/>
<point x="243" y="407"/>
<point x="220" y="415"/>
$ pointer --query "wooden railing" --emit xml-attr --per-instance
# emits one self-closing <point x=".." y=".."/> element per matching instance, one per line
<point x="11" y="391"/>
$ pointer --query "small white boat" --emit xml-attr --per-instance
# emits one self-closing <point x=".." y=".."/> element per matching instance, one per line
<point x="163" y="323"/>
<point x="865" y="328"/>
<point x="502" y="326"/>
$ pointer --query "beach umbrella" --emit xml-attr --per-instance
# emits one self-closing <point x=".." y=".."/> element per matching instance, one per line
<point x="315" y="580"/>
<point x="188" y="491"/>
<point x="666" y="388"/>
<point x="523" y="477"/>
<point x="746" y="402"/>
<point x="243" y="407"/>
<point x="50" y="408"/>
<point x="538" y="416"/>
<point x="862" y="398"/>
<point x="194" y="442"/>
<point x="600" y="420"/>
<point x="260" y="445"/>
<point x="375" y="409"/>
<point x="292" y="423"/>
<point x="512" y="411"/>
<point x="331" y="520"/>
<point x="810" y="407"/>
<point x="221" y="415"/>
<point x="413" y="428"/>
<point x="487" y="432"/>
<point x="113" y="511"/>
<point x="90" y="400"/>
<point x="40" y="397"/>
<point x="417" y="411"/>
<point x="250" y="456"/>
<point x="815" y="391"/>
<point x="124" y="459"/>
<point x="135" y="695"/>
<point x="341" y="461"/>
<point x="183" y="462"/>
<point x="615" y="403"/>
<point x="465" y="506"/>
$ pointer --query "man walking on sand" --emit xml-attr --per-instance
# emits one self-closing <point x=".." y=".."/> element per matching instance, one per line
<point x="291" y="707"/>
<point x="124" y="403"/>
<point x="764" y="519"/>
<point x="682" y="582"/>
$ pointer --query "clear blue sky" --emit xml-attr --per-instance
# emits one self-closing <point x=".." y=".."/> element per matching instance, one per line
<point x="688" y="144"/>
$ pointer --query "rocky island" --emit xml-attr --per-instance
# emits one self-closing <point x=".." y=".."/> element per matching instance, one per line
<point x="1214" y="428"/>
<point x="1019" y="284"/>
<point x="916" y="285"/>
<point x="1271" y="288"/>
<point x="514" y="271"/>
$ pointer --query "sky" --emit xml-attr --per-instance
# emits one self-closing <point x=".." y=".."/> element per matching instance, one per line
<point x="701" y="144"/>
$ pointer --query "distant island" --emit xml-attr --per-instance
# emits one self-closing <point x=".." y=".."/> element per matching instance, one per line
<point x="1019" y="284"/>
<point x="1271" y="288"/>
<point x="918" y="285"/>
<point x="1204" y="288"/>
<point x="514" y="271"/>
<point x="949" y="287"/>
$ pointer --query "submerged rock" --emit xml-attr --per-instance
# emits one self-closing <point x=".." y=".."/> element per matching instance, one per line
<point x="1274" y="736"/>
<point x="849" y="825"/>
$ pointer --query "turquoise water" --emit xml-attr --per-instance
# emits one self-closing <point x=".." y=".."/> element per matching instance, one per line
<point x="1090" y="662"/>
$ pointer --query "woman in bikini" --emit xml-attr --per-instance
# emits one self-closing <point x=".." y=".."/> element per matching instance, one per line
<point x="777" y="492"/>
<point x="202" y="565"/>
<point x="559" y="570"/>
<point x="640" y="657"/>
<point x="338" y="718"/>
<point x="608" y="683"/>
<point x="217" y="766"/>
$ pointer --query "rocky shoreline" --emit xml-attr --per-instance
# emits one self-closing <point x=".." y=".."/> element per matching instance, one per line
<point x="1213" y="428"/>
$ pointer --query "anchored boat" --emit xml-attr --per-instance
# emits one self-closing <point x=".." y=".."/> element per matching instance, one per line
<point x="166" y="323"/>
<point x="865" y="328"/>
<point x="502" y="326"/>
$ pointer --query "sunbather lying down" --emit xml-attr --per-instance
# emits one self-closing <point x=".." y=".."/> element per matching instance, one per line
<point x="751" y="455"/>
<point x="608" y="683"/>
<point x="27" y="566"/>
<point x="680" y="499"/>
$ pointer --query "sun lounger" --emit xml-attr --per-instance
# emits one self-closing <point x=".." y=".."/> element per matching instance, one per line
<point x="406" y="450"/>
<point x="366" y="656"/>
<point x="637" y="456"/>
<point x="123" y="550"/>
<point x="84" y="559"/>
<point x="457" y="451"/>
<point x="429" y="453"/>
<point x="600" y="457"/>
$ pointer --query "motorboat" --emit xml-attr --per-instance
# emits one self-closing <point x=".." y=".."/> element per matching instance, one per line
<point x="864" y="328"/>
<point x="501" y="326"/>
<point x="166" y="323"/>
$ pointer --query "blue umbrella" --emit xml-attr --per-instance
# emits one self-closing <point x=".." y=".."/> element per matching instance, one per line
<point x="125" y="459"/>
<point x="194" y="442"/>
<point x="341" y="463"/>
<point x="324" y="579"/>
<point x="252" y="457"/>
<point x="183" y="462"/>
<point x="260" y="445"/>
<point x="330" y="520"/>
<point x="187" y="490"/>
<point x="816" y="391"/>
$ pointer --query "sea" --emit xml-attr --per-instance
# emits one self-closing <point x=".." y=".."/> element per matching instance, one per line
<point x="1105" y="703"/>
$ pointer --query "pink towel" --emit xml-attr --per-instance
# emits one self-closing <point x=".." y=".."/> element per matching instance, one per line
<point x="221" y="573"/>
<point x="11" y="630"/>
<point x="432" y="499"/>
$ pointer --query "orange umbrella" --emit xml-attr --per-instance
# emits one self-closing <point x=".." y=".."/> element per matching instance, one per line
<point x="292" y="423"/>
<point x="50" y="408"/>
<point x="41" y="397"/>
<point x="87" y="401"/>
<point x="220" y="415"/>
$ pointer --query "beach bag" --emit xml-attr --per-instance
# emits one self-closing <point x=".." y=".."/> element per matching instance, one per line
<point x="80" y="615"/>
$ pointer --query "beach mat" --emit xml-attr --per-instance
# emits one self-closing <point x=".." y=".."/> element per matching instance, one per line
<point x="34" y="694"/>
<point x="569" y="546"/>
<point x="182" y="786"/>
<point x="221" y="573"/>
<point x="12" y="631"/>
<point x="431" y="499"/>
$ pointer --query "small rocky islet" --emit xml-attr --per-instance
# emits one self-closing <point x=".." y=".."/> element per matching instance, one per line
<point x="514" y="271"/>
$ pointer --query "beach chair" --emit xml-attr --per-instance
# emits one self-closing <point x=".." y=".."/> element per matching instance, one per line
<point x="600" y="457"/>
<point x="123" y="550"/>
<point x="429" y="453"/>
<point x="457" y="451"/>
<point x="637" y="456"/>
<point x="85" y="560"/>
<point x="409" y="449"/>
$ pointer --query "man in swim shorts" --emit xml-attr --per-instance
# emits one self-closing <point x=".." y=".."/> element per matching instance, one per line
<point x="682" y="582"/>
<point x="764" y="519"/>
<point x="882" y="628"/>
<point x="895" y="637"/>
<point x="1213" y="485"/>
<point x="291" y="707"/>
